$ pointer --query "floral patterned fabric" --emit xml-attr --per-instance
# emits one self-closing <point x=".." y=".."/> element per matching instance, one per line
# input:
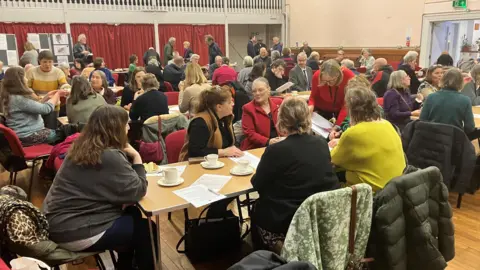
<point x="319" y="230"/>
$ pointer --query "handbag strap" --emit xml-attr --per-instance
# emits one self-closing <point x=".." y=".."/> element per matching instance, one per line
<point x="353" y="221"/>
<point x="159" y="123"/>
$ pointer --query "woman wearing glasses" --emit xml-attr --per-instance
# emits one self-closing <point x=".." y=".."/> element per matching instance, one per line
<point x="328" y="91"/>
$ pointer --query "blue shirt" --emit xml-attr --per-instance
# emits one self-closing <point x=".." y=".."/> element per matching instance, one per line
<point x="24" y="115"/>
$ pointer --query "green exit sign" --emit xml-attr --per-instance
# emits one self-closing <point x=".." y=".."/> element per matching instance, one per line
<point x="460" y="4"/>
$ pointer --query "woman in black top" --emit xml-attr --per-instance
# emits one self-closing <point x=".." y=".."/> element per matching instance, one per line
<point x="149" y="103"/>
<point x="289" y="172"/>
<point x="275" y="73"/>
<point x="134" y="85"/>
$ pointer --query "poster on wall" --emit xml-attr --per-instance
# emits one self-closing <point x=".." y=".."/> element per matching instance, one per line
<point x="8" y="50"/>
<point x="41" y="42"/>
<point x="59" y="39"/>
<point x="62" y="47"/>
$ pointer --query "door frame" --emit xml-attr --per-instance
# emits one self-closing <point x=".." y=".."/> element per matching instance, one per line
<point x="428" y="19"/>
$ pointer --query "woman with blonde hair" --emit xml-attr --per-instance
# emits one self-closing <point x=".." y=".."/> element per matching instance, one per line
<point x="30" y="55"/>
<point x="288" y="173"/>
<point x="367" y="60"/>
<point x="187" y="51"/>
<point x="195" y="82"/>
<point x="363" y="148"/>
<point x="90" y="206"/>
<point x="211" y="130"/>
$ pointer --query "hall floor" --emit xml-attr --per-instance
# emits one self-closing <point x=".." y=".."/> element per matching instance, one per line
<point x="466" y="221"/>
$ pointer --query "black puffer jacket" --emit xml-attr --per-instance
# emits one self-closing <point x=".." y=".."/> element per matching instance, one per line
<point x="444" y="146"/>
<point x="412" y="223"/>
<point x="380" y="82"/>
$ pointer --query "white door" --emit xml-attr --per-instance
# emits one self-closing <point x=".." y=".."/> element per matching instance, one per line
<point x="442" y="39"/>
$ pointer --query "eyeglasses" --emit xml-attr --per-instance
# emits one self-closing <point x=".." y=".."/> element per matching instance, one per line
<point x="331" y="81"/>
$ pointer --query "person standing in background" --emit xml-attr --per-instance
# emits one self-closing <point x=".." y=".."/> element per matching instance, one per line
<point x="168" y="50"/>
<point x="277" y="46"/>
<point x="187" y="51"/>
<point x="149" y="54"/>
<point x="81" y="49"/>
<point x="306" y="49"/>
<point x="340" y="56"/>
<point x="251" y="46"/>
<point x="213" y="49"/>
<point x="30" y="56"/>
<point x="259" y="46"/>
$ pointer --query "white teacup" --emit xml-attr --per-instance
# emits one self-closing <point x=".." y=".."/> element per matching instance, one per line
<point x="171" y="175"/>
<point x="211" y="159"/>
<point x="294" y="93"/>
<point x="243" y="165"/>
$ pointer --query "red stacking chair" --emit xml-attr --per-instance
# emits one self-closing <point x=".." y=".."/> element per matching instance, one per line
<point x="380" y="101"/>
<point x="174" y="143"/>
<point x="14" y="156"/>
<point x="168" y="86"/>
<point x="362" y="70"/>
<point x="115" y="77"/>
<point x="172" y="98"/>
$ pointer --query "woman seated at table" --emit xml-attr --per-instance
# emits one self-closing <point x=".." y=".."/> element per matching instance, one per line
<point x="328" y="91"/>
<point x="23" y="112"/>
<point x="77" y="68"/>
<point x="83" y="100"/>
<point x="258" y="71"/>
<point x="259" y="119"/>
<point x="195" y="82"/>
<point x="449" y="106"/>
<point x="431" y="83"/>
<point x="472" y="88"/>
<point x="274" y="74"/>
<point x="211" y="130"/>
<point x="370" y="150"/>
<point x="289" y="172"/>
<point x="85" y="207"/>
<point x="100" y="85"/>
<point x="134" y="85"/>
<point x="151" y="102"/>
<point x="398" y="104"/>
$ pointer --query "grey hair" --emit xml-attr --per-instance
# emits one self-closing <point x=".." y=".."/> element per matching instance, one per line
<point x="294" y="116"/>
<point x="195" y="56"/>
<point x="149" y="82"/>
<point x="475" y="73"/>
<point x="153" y="61"/>
<point x="80" y="37"/>
<point x="366" y="50"/>
<point x="275" y="55"/>
<point x="260" y="80"/>
<point x="313" y="54"/>
<point x="302" y="54"/>
<point x="452" y="79"/>
<point x="63" y="65"/>
<point x="331" y="68"/>
<point x="348" y="63"/>
<point x="248" y="61"/>
<point x="396" y="80"/>
<point x="171" y="39"/>
<point x="410" y="56"/>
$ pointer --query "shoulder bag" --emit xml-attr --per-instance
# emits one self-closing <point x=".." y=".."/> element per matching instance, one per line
<point x="152" y="152"/>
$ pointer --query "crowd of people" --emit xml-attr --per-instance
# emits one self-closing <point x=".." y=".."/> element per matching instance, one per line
<point x="368" y="112"/>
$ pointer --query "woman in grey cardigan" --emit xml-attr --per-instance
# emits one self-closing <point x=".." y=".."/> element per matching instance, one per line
<point x="85" y="207"/>
<point x="83" y="100"/>
<point x="242" y="76"/>
<point x="471" y="89"/>
<point x="23" y="110"/>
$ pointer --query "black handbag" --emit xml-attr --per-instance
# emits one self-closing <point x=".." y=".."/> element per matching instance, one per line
<point x="207" y="238"/>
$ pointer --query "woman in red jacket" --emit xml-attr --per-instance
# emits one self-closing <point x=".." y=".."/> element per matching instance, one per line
<point x="259" y="119"/>
<point x="328" y="91"/>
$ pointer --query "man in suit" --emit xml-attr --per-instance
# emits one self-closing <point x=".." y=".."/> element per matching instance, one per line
<point x="251" y="46"/>
<point x="301" y="74"/>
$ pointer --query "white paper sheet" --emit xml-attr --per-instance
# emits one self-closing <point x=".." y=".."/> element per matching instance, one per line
<point x="35" y="40"/>
<point x="3" y="42"/>
<point x="320" y="131"/>
<point x="61" y="50"/>
<point x="250" y="157"/>
<point x="12" y="58"/>
<point x="476" y="115"/>
<point x="174" y="108"/>
<point x="60" y="38"/>
<point x="212" y="181"/>
<point x="180" y="169"/>
<point x="62" y="59"/>
<point x="284" y="87"/>
<point x="320" y="121"/>
<point x="198" y="195"/>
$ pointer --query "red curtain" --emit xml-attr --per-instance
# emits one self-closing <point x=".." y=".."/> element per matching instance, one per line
<point x="115" y="43"/>
<point x="195" y="35"/>
<point x="22" y="29"/>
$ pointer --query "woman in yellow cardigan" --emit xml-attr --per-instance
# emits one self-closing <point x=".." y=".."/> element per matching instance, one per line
<point x="370" y="150"/>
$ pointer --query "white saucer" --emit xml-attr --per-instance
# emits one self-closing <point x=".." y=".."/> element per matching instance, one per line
<point x="236" y="171"/>
<point x="219" y="165"/>
<point x="178" y="182"/>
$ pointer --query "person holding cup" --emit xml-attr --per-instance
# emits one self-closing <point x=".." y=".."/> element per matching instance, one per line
<point x="259" y="119"/>
<point x="211" y="130"/>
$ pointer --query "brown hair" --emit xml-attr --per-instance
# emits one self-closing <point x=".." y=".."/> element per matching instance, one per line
<point x="294" y="116"/>
<point x="209" y="38"/>
<point x="28" y="46"/>
<point x="331" y="68"/>
<point x="430" y="71"/>
<point x="97" y="63"/>
<point x="81" y="89"/>
<point x="210" y="98"/>
<point x="362" y="104"/>
<point x="132" y="83"/>
<point x="452" y="80"/>
<point x="149" y="82"/>
<point x="286" y="52"/>
<point x="46" y="54"/>
<point x="104" y="130"/>
<point x="13" y="84"/>
<point x="133" y="58"/>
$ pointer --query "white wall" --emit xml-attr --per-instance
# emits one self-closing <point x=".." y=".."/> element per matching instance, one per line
<point x="355" y="23"/>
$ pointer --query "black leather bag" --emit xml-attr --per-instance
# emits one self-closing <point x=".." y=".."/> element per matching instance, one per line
<point x="207" y="238"/>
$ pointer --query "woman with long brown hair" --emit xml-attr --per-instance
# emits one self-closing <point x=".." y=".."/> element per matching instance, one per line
<point x="100" y="85"/>
<point x="211" y="130"/>
<point x="83" y="100"/>
<point x="23" y="109"/>
<point x="134" y="86"/>
<point x="84" y="206"/>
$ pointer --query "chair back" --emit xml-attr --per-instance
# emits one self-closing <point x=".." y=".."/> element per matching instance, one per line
<point x="168" y="86"/>
<point x="115" y="77"/>
<point x="380" y="101"/>
<point x="174" y="142"/>
<point x="13" y="140"/>
<point x="12" y="154"/>
<point x="362" y="70"/>
<point x="172" y="98"/>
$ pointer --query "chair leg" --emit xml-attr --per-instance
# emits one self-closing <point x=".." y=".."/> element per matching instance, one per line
<point x="11" y="178"/>
<point x="30" y="185"/>
<point x="114" y="260"/>
<point x="459" y="200"/>
<point x="239" y="206"/>
<point x="169" y="215"/>
<point x="99" y="261"/>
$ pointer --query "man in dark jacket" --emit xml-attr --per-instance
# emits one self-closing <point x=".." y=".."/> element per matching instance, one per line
<point x="218" y="63"/>
<point x="307" y="49"/>
<point x="251" y="46"/>
<point x="213" y="49"/>
<point x="151" y="54"/>
<point x="81" y="49"/>
<point x="174" y="73"/>
<point x="168" y="50"/>
<point x="154" y="68"/>
<point x="382" y="76"/>
<point x="259" y="45"/>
